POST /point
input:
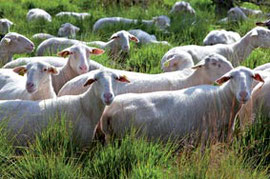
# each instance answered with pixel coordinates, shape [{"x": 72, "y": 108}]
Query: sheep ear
[
  {"x": 53, "y": 70},
  {"x": 258, "y": 77},
  {"x": 123, "y": 79},
  {"x": 21, "y": 70},
  {"x": 77, "y": 29},
  {"x": 254, "y": 33},
  {"x": 260, "y": 24},
  {"x": 64, "y": 53},
  {"x": 222, "y": 80},
  {"x": 199, "y": 65},
  {"x": 96, "y": 51},
  {"x": 6, "y": 40},
  {"x": 171, "y": 62},
  {"x": 89, "y": 82},
  {"x": 114, "y": 37},
  {"x": 133, "y": 38}
]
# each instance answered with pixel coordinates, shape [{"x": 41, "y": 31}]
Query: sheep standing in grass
[
  {"x": 5, "y": 25},
  {"x": 73, "y": 14},
  {"x": 161, "y": 22},
  {"x": 170, "y": 114},
  {"x": 182, "y": 7},
  {"x": 221, "y": 37},
  {"x": 119, "y": 42},
  {"x": 68, "y": 30},
  {"x": 77, "y": 64},
  {"x": 37, "y": 84},
  {"x": 205, "y": 72},
  {"x": 37, "y": 14},
  {"x": 14, "y": 43},
  {"x": 145, "y": 38},
  {"x": 235, "y": 52},
  {"x": 26, "y": 119},
  {"x": 42, "y": 36}
]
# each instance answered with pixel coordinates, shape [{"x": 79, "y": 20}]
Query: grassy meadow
[{"x": 54, "y": 155}]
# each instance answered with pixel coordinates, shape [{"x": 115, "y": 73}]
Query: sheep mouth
[
  {"x": 31, "y": 90},
  {"x": 108, "y": 101}
]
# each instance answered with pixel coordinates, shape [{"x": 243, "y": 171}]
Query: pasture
[{"x": 55, "y": 155}]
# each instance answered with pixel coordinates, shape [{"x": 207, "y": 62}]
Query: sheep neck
[
  {"x": 5, "y": 54},
  {"x": 45, "y": 91}
]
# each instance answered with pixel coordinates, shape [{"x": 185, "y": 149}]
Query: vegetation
[{"x": 54, "y": 155}]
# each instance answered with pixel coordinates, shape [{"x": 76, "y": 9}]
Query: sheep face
[
  {"x": 121, "y": 40},
  {"x": 105, "y": 81},
  {"x": 176, "y": 62},
  {"x": 78, "y": 57},
  {"x": 213, "y": 67},
  {"x": 38, "y": 73},
  {"x": 67, "y": 30},
  {"x": 162, "y": 22},
  {"x": 17, "y": 43},
  {"x": 240, "y": 80},
  {"x": 182, "y": 6},
  {"x": 261, "y": 36}
]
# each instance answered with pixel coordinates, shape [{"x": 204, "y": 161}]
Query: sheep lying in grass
[
  {"x": 37, "y": 14},
  {"x": 170, "y": 114},
  {"x": 55, "y": 44},
  {"x": 119, "y": 42},
  {"x": 221, "y": 37},
  {"x": 68, "y": 30},
  {"x": 77, "y": 64},
  {"x": 182, "y": 7},
  {"x": 37, "y": 84},
  {"x": 26, "y": 119},
  {"x": 161, "y": 22},
  {"x": 14, "y": 43},
  {"x": 42, "y": 36},
  {"x": 205, "y": 72},
  {"x": 145, "y": 38},
  {"x": 235, "y": 52},
  {"x": 177, "y": 62},
  {"x": 5, "y": 25},
  {"x": 252, "y": 12},
  {"x": 73, "y": 14}
]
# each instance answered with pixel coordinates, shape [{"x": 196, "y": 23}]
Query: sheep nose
[
  {"x": 107, "y": 96},
  {"x": 126, "y": 48},
  {"x": 243, "y": 94},
  {"x": 83, "y": 68},
  {"x": 29, "y": 85}
]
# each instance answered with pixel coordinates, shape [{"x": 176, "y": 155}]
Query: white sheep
[
  {"x": 221, "y": 37},
  {"x": 119, "y": 42},
  {"x": 73, "y": 14},
  {"x": 145, "y": 38},
  {"x": 252, "y": 12},
  {"x": 37, "y": 14},
  {"x": 68, "y": 30},
  {"x": 36, "y": 85},
  {"x": 161, "y": 22},
  {"x": 235, "y": 52},
  {"x": 77, "y": 64},
  {"x": 234, "y": 14},
  {"x": 182, "y": 7},
  {"x": 5, "y": 25},
  {"x": 14, "y": 43},
  {"x": 30, "y": 118},
  {"x": 201, "y": 110},
  {"x": 42, "y": 36},
  {"x": 53, "y": 45},
  {"x": 177, "y": 62},
  {"x": 205, "y": 72}
]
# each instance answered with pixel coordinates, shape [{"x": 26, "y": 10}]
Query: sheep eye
[
  {"x": 219, "y": 65},
  {"x": 45, "y": 69},
  {"x": 214, "y": 64}
]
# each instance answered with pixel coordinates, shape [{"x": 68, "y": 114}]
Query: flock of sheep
[{"x": 101, "y": 101}]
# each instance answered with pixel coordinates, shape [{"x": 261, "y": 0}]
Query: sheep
[
  {"x": 119, "y": 41},
  {"x": 235, "y": 52},
  {"x": 145, "y": 38},
  {"x": 265, "y": 23},
  {"x": 36, "y": 86},
  {"x": 161, "y": 22},
  {"x": 235, "y": 14},
  {"x": 205, "y": 72},
  {"x": 176, "y": 62},
  {"x": 68, "y": 30},
  {"x": 182, "y": 7},
  {"x": 252, "y": 12},
  {"x": 77, "y": 64},
  {"x": 42, "y": 36},
  {"x": 73, "y": 14},
  {"x": 54, "y": 61},
  {"x": 5, "y": 25},
  {"x": 55, "y": 44},
  {"x": 221, "y": 37},
  {"x": 14, "y": 43},
  {"x": 30, "y": 118},
  {"x": 176, "y": 114},
  {"x": 37, "y": 14}
]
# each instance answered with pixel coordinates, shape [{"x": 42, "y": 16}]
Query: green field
[{"x": 54, "y": 155}]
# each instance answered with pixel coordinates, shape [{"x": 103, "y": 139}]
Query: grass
[{"x": 55, "y": 155}]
